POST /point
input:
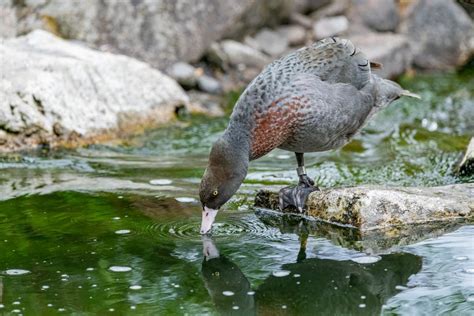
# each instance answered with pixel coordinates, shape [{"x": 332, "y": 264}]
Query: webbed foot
[{"x": 297, "y": 196}]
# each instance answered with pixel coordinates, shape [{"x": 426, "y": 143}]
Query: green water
[{"x": 70, "y": 219}]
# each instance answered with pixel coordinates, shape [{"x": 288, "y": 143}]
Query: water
[{"x": 114, "y": 229}]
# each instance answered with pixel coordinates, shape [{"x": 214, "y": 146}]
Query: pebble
[{"x": 331, "y": 26}]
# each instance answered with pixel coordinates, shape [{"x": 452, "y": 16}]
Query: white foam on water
[
  {"x": 228, "y": 293},
  {"x": 120, "y": 269},
  {"x": 184, "y": 199},
  {"x": 160, "y": 181},
  {"x": 281, "y": 273},
  {"x": 135, "y": 287},
  {"x": 469, "y": 270},
  {"x": 366, "y": 259},
  {"x": 122, "y": 231},
  {"x": 461, "y": 258},
  {"x": 16, "y": 272}
]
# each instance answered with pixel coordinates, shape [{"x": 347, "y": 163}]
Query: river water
[{"x": 113, "y": 229}]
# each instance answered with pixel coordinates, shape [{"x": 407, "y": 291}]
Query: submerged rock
[
  {"x": 441, "y": 33},
  {"x": 465, "y": 166},
  {"x": 370, "y": 208},
  {"x": 54, "y": 91},
  {"x": 391, "y": 50}
]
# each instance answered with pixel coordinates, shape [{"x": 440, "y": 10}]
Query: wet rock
[
  {"x": 465, "y": 167},
  {"x": 51, "y": 87},
  {"x": 271, "y": 42},
  {"x": 209, "y": 84},
  {"x": 295, "y": 34},
  {"x": 369, "y": 208},
  {"x": 440, "y": 32},
  {"x": 379, "y": 15},
  {"x": 184, "y": 73},
  {"x": 391, "y": 50},
  {"x": 330, "y": 26},
  {"x": 235, "y": 53}
]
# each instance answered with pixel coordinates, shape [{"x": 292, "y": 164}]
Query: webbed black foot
[{"x": 297, "y": 196}]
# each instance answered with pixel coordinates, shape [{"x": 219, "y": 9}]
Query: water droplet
[
  {"x": 160, "y": 181},
  {"x": 469, "y": 270},
  {"x": 251, "y": 293},
  {"x": 120, "y": 269},
  {"x": 185, "y": 199},
  {"x": 135, "y": 287},
  {"x": 228, "y": 293},
  {"x": 281, "y": 273},
  {"x": 122, "y": 232},
  {"x": 16, "y": 272},
  {"x": 362, "y": 305},
  {"x": 235, "y": 307},
  {"x": 366, "y": 259}
]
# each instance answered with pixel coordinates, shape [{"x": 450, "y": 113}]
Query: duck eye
[{"x": 215, "y": 193}]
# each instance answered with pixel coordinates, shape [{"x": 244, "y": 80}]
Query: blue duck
[{"x": 314, "y": 99}]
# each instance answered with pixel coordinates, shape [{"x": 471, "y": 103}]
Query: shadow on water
[{"x": 308, "y": 286}]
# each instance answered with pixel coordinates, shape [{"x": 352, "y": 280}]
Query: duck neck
[{"x": 238, "y": 145}]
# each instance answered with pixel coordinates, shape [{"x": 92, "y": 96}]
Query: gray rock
[
  {"x": 235, "y": 53},
  {"x": 330, "y": 26},
  {"x": 309, "y": 5},
  {"x": 379, "y": 15},
  {"x": 301, "y": 20},
  {"x": 50, "y": 86},
  {"x": 465, "y": 167},
  {"x": 271, "y": 42},
  {"x": 295, "y": 34},
  {"x": 440, "y": 32},
  {"x": 184, "y": 73},
  {"x": 391, "y": 50},
  {"x": 336, "y": 7},
  {"x": 369, "y": 208},
  {"x": 160, "y": 32},
  {"x": 209, "y": 84}
]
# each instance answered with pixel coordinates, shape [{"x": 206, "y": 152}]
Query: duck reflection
[{"x": 314, "y": 285}]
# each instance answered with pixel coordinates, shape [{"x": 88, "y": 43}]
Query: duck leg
[{"x": 296, "y": 196}]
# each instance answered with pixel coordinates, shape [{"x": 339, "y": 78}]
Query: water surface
[{"x": 114, "y": 228}]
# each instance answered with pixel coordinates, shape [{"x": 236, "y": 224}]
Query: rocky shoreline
[{"x": 70, "y": 87}]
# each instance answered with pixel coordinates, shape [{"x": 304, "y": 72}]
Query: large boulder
[
  {"x": 391, "y": 50},
  {"x": 441, "y": 33},
  {"x": 52, "y": 90},
  {"x": 160, "y": 32}
]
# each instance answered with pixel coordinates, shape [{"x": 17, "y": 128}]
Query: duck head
[{"x": 225, "y": 173}]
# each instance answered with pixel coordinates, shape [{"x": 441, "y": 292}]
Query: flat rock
[
  {"x": 465, "y": 167},
  {"x": 52, "y": 90},
  {"x": 369, "y": 208},
  {"x": 330, "y": 26},
  {"x": 440, "y": 32},
  {"x": 392, "y": 50},
  {"x": 271, "y": 42}
]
